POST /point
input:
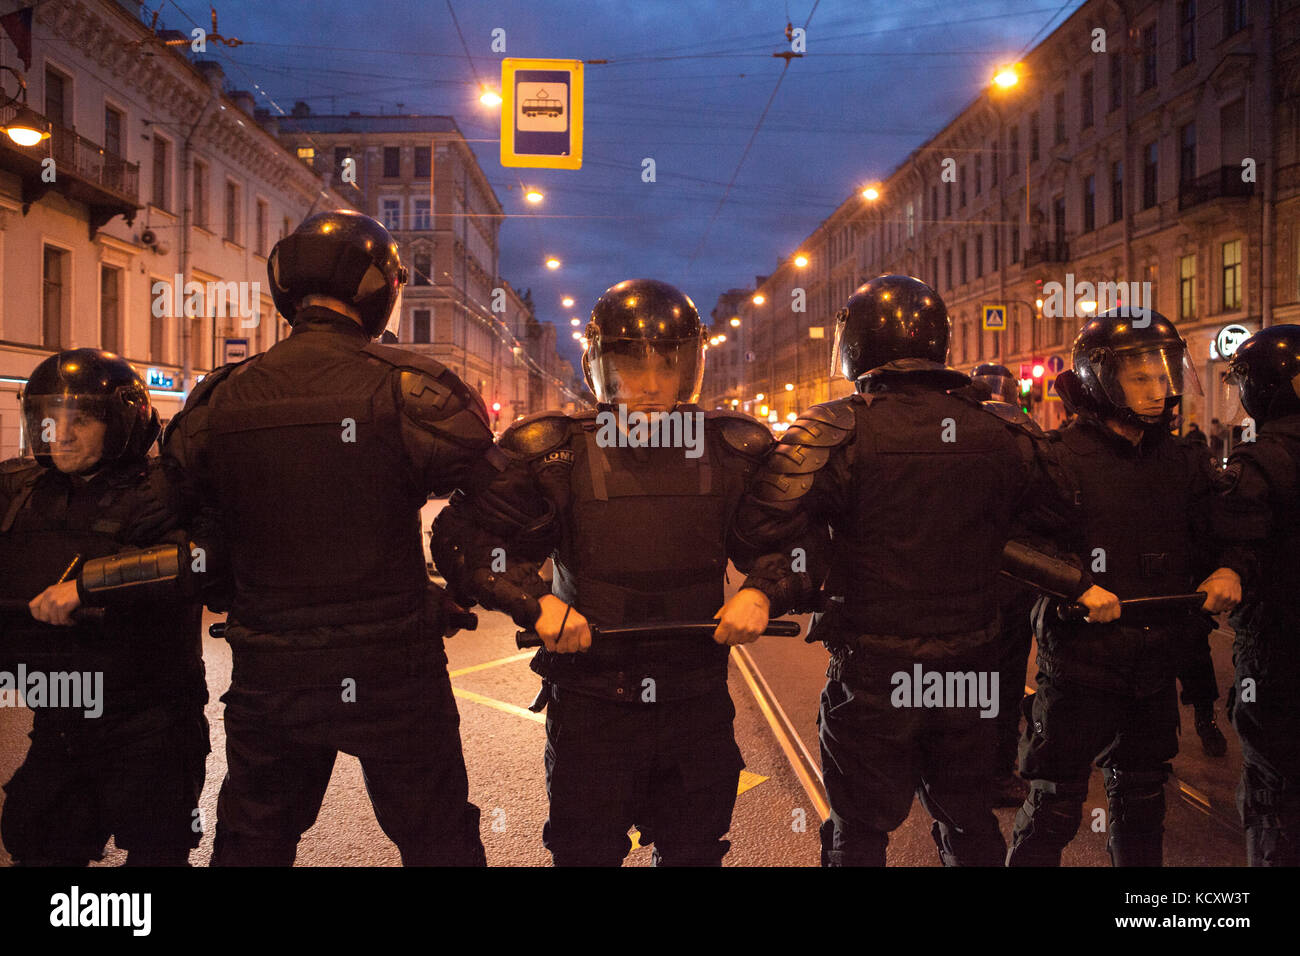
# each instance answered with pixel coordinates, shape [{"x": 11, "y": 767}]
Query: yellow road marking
[
  {"x": 498, "y": 704},
  {"x": 496, "y": 663},
  {"x": 748, "y": 781}
]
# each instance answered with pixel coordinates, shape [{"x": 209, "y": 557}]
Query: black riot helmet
[
  {"x": 71, "y": 389},
  {"x": 888, "y": 318},
  {"x": 1266, "y": 370},
  {"x": 1131, "y": 366},
  {"x": 645, "y": 346},
  {"x": 999, "y": 381},
  {"x": 344, "y": 255}
]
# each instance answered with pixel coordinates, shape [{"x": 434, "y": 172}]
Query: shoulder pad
[
  {"x": 537, "y": 434},
  {"x": 805, "y": 448},
  {"x": 1271, "y": 457},
  {"x": 201, "y": 393},
  {"x": 404, "y": 358},
  {"x": 742, "y": 433},
  {"x": 436, "y": 401},
  {"x": 1013, "y": 415},
  {"x": 824, "y": 425}
]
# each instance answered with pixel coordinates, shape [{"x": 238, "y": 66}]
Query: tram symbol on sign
[{"x": 542, "y": 105}]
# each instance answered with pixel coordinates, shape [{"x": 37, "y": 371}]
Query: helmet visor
[
  {"x": 1143, "y": 381},
  {"x": 1003, "y": 387},
  {"x": 837, "y": 345},
  {"x": 646, "y": 375},
  {"x": 71, "y": 429}
]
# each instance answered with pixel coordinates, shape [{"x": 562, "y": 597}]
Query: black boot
[{"x": 1212, "y": 739}]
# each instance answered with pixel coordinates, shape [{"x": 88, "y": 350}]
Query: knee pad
[{"x": 1137, "y": 799}]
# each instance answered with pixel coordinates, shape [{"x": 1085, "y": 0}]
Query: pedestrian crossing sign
[{"x": 995, "y": 317}]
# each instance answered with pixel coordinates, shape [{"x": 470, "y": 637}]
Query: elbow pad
[{"x": 103, "y": 578}]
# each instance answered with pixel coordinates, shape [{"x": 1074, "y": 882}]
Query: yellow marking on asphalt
[
  {"x": 498, "y": 704},
  {"x": 805, "y": 768},
  {"x": 496, "y": 663},
  {"x": 748, "y": 781}
]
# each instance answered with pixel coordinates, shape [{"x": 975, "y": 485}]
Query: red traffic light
[{"x": 496, "y": 406}]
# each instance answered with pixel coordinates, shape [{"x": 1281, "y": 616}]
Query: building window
[
  {"x": 962, "y": 263},
  {"x": 1186, "y": 32},
  {"x": 262, "y": 213},
  {"x": 1085, "y": 99},
  {"x": 1187, "y": 153},
  {"x": 1090, "y": 203},
  {"x": 391, "y": 213},
  {"x": 1015, "y": 244},
  {"x": 1058, "y": 219},
  {"x": 161, "y": 168},
  {"x": 1187, "y": 287},
  {"x": 392, "y": 162},
  {"x": 979, "y": 254},
  {"x": 965, "y": 342},
  {"x": 113, "y": 131},
  {"x": 934, "y": 271},
  {"x": 57, "y": 88},
  {"x": 979, "y": 174},
  {"x": 423, "y": 162},
  {"x": 232, "y": 211},
  {"x": 1059, "y": 108},
  {"x": 911, "y": 219},
  {"x": 947, "y": 199},
  {"x": 1116, "y": 191},
  {"x": 961, "y": 187},
  {"x": 307, "y": 154},
  {"x": 1150, "y": 171},
  {"x": 52, "y": 301},
  {"x": 157, "y": 338},
  {"x": 1150, "y": 51},
  {"x": 934, "y": 202},
  {"x": 200, "y": 194},
  {"x": 110, "y": 309},
  {"x": 423, "y": 269},
  {"x": 1234, "y": 16},
  {"x": 1013, "y": 150},
  {"x": 1232, "y": 276},
  {"x": 993, "y": 165},
  {"x": 423, "y": 219},
  {"x": 420, "y": 326},
  {"x": 947, "y": 270},
  {"x": 1033, "y": 136},
  {"x": 1116, "y": 81},
  {"x": 996, "y": 232}
]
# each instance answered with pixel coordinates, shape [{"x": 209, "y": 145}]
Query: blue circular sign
[{"x": 1054, "y": 364}]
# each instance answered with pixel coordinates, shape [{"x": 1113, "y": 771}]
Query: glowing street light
[
  {"x": 574, "y": 322},
  {"x": 534, "y": 196},
  {"x": 552, "y": 263},
  {"x": 722, "y": 338},
  {"x": 1088, "y": 306},
  {"x": 489, "y": 96},
  {"x": 759, "y": 397},
  {"x": 26, "y": 128},
  {"x": 1006, "y": 77},
  {"x": 567, "y": 302},
  {"x": 800, "y": 261},
  {"x": 735, "y": 321},
  {"x": 576, "y": 336},
  {"x": 789, "y": 386},
  {"x": 871, "y": 193},
  {"x": 759, "y": 298}
]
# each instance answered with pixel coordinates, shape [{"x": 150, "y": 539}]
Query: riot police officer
[
  {"x": 127, "y": 759},
  {"x": 639, "y": 731},
  {"x": 922, "y": 485},
  {"x": 1106, "y": 686},
  {"x": 1015, "y": 601},
  {"x": 1259, "y": 511},
  {"x": 314, "y": 459}
]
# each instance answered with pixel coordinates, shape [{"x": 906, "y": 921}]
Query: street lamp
[
  {"x": 26, "y": 128},
  {"x": 1007, "y": 76},
  {"x": 735, "y": 321},
  {"x": 489, "y": 96},
  {"x": 534, "y": 196},
  {"x": 574, "y": 322},
  {"x": 567, "y": 302},
  {"x": 800, "y": 260},
  {"x": 759, "y": 298},
  {"x": 871, "y": 193},
  {"x": 552, "y": 263}
]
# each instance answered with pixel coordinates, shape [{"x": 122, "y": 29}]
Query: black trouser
[
  {"x": 137, "y": 780},
  {"x": 1267, "y": 719},
  {"x": 669, "y": 768},
  {"x": 1015, "y": 639},
  {"x": 1132, "y": 739},
  {"x": 875, "y": 755},
  {"x": 1196, "y": 673},
  {"x": 392, "y": 708}
]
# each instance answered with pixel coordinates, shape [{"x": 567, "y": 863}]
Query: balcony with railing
[
  {"x": 83, "y": 171},
  {"x": 1224, "y": 183},
  {"x": 1047, "y": 252}
]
